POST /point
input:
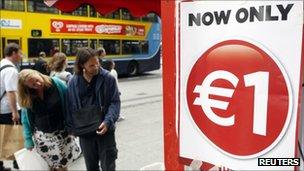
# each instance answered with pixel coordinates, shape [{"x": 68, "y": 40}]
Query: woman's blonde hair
[
  {"x": 58, "y": 62},
  {"x": 26, "y": 94}
]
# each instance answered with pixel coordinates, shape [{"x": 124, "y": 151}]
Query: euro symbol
[{"x": 206, "y": 103}]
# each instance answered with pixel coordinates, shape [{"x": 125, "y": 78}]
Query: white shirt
[
  {"x": 113, "y": 72},
  {"x": 63, "y": 75},
  {"x": 9, "y": 82}
]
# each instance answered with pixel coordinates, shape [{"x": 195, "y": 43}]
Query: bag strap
[
  {"x": 5, "y": 66},
  {"x": 2, "y": 95},
  {"x": 2, "y": 68}
]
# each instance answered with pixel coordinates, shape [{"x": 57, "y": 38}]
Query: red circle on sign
[{"x": 240, "y": 58}]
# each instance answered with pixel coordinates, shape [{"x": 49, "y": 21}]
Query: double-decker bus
[{"x": 133, "y": 43}]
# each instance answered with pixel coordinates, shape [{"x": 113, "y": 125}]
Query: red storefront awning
[{"x": 136, "y": 7}]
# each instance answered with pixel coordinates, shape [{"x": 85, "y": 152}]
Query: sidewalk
[
  {"x": 139, "y": 137},
  {"x": 77, "y": 165},
  {"x": 139, "y": 141}
]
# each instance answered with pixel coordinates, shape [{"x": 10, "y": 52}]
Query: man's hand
[
  {"x": 102, "y": 129},
  {"x": 15, "y": 117}
]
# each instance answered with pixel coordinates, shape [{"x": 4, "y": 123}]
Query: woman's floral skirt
[{"x": 58, "y": 149}]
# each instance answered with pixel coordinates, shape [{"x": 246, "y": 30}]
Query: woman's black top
[{"x": 47, "y": 112}]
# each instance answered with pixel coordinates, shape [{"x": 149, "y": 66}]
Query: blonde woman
[
  {"x": 43, "y": 100},
  {"x": 57, "y": 66}
]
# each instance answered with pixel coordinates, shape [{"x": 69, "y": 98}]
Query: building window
[
  {"x": 112, "y": 47},
  {"x": 14, "y": 5},
  {"x": 135, "y": 47},
  {"x": 39, "y": 6},
  {"x": 49, "y": 46},
  {"x": 81, "y": 11},
  {"x": 70, "y": 46}
]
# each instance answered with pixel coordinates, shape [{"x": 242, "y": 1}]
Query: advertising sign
[
  {"x": 10, "y": 24},
  {"x": 239, "y": 82},
  {"x": 72, "y": 26}
]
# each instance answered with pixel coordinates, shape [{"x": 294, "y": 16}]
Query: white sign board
[
  {"x": 238, "y": 82},
  {"x": 10, "y": 24}
]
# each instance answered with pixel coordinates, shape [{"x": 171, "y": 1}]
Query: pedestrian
[
  {"x": 57, "y": 67},
  {"x": 9, "y": 108},
  {"x": 93, "y": 108},
  {"x": 54, "y": 50},
  {"x": 101, "y": 53},
  {"x": 43, "y": 100},
  {"x": 41, "y": 64},
  {"x": 110, "y": 66}
]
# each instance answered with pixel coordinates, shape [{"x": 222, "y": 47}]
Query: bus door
[
  {"x": 16, "y": 40},
  {"x": 6, "y": 40},
  {"x": 2, "y": 47}
]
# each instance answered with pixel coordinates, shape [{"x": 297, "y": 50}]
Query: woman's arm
[{"x": 27, "y": 130}]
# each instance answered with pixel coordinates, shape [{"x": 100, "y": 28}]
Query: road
[{"x": 140, "y": 135}]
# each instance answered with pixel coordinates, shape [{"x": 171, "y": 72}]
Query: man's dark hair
[
  {"x": 100, "y": 51},
  {"x": 108, "y": 64},
  {"x": 82, "y": 56},
  {"x": 42, "y": 54},
  {"x": 10, "y": 49}
]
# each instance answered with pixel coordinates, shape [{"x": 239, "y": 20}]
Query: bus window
[
  {"x": 135, "y": 47},
  {"x": 93, "y": 12},
  {"x": 40, "y": 6},
  {"x": 144, "y": 46},
  {"x": 112, "y": 47},
  {"x": 81, "y": 11},
  {"x": 126, "y": 15},
  {"x": 113, "y": 15},
  {"x": 70, "y": 46},
  {"x": 35, "y": 46},
  {"x": 93, "y": 43},
  {"x": 151, "y": 17},
  {"x": 14, "y": 5},
  {"x": 17, "y": 41}
]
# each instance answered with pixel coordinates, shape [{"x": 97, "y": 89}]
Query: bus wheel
[{"x": 133, "y": 68}]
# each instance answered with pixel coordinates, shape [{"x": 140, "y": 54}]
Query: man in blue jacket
[{"x": 93, "y": 105}]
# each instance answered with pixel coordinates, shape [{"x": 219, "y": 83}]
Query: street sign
[
  {"x": 239, "y": 81},
  {"x": 239, "y": 95}
]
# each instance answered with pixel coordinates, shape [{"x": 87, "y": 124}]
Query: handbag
[
  {"x": 87, "y": 120},
  {"x": 30, "y": 160},
  {"x": 11, "y": 140}
]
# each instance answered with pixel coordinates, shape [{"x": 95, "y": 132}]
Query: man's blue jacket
[{"x": 107, "y": 94}]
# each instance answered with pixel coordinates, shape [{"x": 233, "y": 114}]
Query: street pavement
[{"x": 140, "y": 136}]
